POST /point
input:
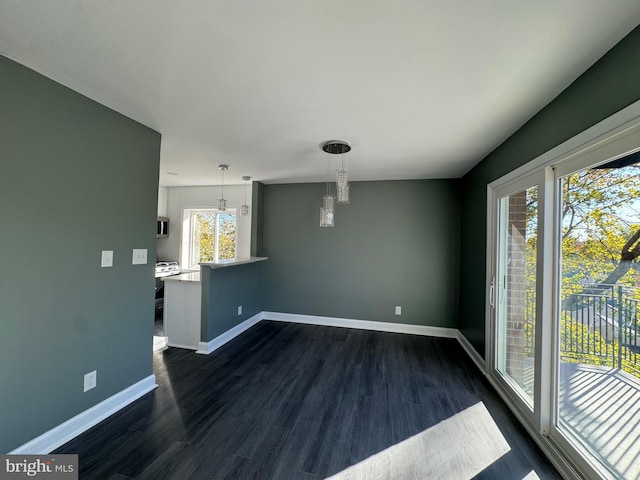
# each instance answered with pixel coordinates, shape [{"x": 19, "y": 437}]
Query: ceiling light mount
[{"x": 336, "y": 147}]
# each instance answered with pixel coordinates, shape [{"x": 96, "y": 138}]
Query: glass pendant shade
[
  {"x": 326, "y": 217},
  {"x": 343, "y": 194},
  {"x": 222, "y": 204},
  {"x": 326, "y": 211},
  {"x": 328, "y": 202},
  {"x": 342, "y": 177},
  {"x": 244, "y": 210}
]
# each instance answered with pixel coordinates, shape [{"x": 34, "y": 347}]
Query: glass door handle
[{"x": 492, "y": 292}]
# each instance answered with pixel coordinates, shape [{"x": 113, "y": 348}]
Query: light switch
[
  {"x": 139, "y": 256},
  {"x": 107, "y": 258}
]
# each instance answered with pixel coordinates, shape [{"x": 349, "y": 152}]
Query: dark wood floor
[{"x": 289, "y": 401}]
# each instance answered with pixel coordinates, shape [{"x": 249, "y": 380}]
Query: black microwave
[{"x": 163, "y": 227}]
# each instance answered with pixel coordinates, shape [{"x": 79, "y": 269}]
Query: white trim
[
  {"x": 57, "y": 436},
  {"x": 362, "y": 324},
  {"x": 546, "y": 334},
  {"x": 490, "y": 279},
  {"x": 473, "y": 354},
  {"x": 497, "y": 261},
  {"x": 205, "y": 348}
]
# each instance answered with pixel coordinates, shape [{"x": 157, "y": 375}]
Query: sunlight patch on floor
[
  {"x": 159, "y": 343},
  {"x": 457, "y": 448},
  {"x": 531, "y": 476}
]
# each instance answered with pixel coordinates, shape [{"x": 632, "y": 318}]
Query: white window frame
[{"x": 519, "y": 184}]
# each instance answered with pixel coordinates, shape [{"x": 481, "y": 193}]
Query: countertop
[
  {"x": 233, "y": 263},
  {"x": 195, "y": 276},
  {"x": 183, "y": 277}
]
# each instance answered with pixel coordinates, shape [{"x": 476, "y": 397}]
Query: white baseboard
[
  {"x": 363, "y": 324},
  {"x": 205, "y": 348},
  {"x": 57, "y": 436},
  {"x": 473, "y": 354}
]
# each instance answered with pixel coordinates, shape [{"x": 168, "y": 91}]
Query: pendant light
[
  {"x": 335, "y": 147},
  {"x": 244, "y": 209},
  {"x": 222, "y": 202}
]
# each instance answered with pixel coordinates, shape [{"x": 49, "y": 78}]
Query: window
[{"x": 208, "y": 235}]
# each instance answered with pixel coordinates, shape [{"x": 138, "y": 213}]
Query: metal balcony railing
[{"x": 599, "y": 326}]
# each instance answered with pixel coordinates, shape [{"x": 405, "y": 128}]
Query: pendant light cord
[{"x": 328, "y": 172}]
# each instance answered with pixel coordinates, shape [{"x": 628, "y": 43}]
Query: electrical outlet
[
  {"x": 398, "y": 310},
  {"x": 107, "y": 258},
  {"x": 90, "y": 380},
  {"x": 239, "y": 309},
  {"x": 139, "y": 256}
]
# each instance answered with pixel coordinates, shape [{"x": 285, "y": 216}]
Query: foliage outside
[
  {"x": 600, "y": 250},
  {"x": 204, "y": 236},
  {"x": 227, "y": 237}
]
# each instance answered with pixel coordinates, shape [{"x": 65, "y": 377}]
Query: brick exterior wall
[{"x": 516, "y": 286}]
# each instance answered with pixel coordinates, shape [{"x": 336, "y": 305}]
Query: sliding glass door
[
  {"x": 598, "y": 359},
  {"x": 563, "y": 302}
]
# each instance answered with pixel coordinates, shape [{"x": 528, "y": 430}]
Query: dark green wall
[
  {"x": 257, "y": 218},
  {"x": 607, "y": 87},
  {"x": 397, "y": 243},
  {"x": 223, "y": 290},
  {"x": 75, "y": 178}
]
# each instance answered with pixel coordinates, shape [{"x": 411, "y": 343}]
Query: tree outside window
[{"x": 210, "y": 236}]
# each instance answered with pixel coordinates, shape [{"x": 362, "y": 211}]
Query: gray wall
[
  {"x": 75, "y": 178},
  {"x": 397, "y": 243},
  {"x": 257, "y": 218},
  {"x": 223, "y": 290},
  {"x": 607, "y": 87}
]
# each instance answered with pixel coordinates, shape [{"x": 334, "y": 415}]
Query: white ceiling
[{"x": 420, "y": 88}]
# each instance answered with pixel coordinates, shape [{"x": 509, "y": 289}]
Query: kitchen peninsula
[{"x": 202, "y": 306}]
